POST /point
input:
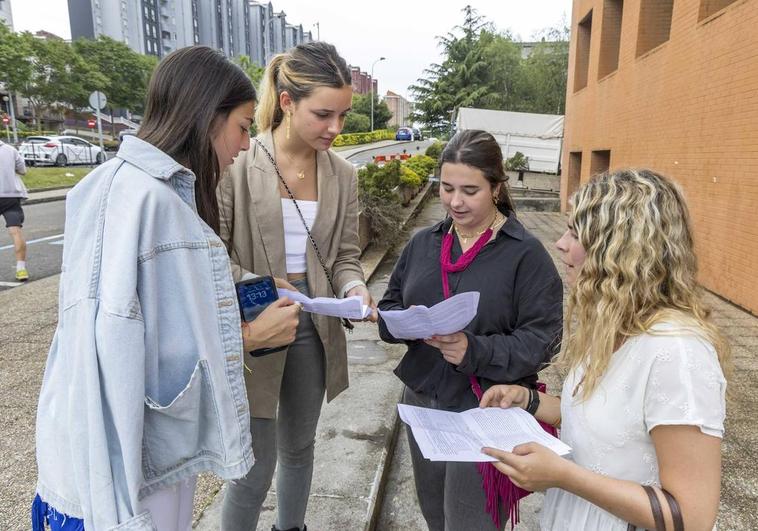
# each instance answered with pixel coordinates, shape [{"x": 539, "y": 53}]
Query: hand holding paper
[
  {"x": 349, "y": 307},
  {"x": 448, "y": 436}
]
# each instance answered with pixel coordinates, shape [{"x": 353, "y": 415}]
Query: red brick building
[
  {"x": 673, "y": 85},
  {"x": 362, "y": 82}
]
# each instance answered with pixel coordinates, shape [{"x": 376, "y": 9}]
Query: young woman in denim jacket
[{"x": 143, "y": 387}]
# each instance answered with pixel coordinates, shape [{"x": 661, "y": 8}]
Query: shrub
[
  {"x": 518, "y": 162},
  {"x": 356, "y": 123},
  {"x": 409, "y": 178},
  {"x": 422, "y": 165},
  {"x": 380, "y": 203},
  {"x": 352, "y": 139},
  {"x": 435, "y": 150}
]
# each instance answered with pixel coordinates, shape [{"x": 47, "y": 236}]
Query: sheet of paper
[
  {"x": 349, "y": 307},
  {"x": 448, "y": 436},
  {"x": 419, "y": 322}
]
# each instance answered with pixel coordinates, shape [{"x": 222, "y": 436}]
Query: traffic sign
[
  {"x": 97, "y": 100},
  {"x": 91, "y": 123}
]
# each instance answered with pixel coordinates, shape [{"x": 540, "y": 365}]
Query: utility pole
[{"x": 372, "y": 91}]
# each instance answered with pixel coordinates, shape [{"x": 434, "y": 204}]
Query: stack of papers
[
  {"x": 419, "y": 322},
  {"x": 349, "y": 307},
  {"x": 448, "y": 436}
]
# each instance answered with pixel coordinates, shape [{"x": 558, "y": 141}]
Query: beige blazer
[{"x": 251, "y": 226}]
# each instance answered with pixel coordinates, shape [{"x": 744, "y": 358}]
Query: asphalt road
[
  {"x": 43, "y": 229},
  {"x": 43, "y": 226}
]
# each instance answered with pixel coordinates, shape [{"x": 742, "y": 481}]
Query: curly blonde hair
[{"x": 640, "y": 269}]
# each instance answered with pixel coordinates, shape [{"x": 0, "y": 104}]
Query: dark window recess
[
  {"x": 709, "y": 7},
  {"x": 610, "y": 37},
  {"x": 582, "y": 59},
  {"x": 600, "y": 161},
  {"x": 655, "y": 24}
]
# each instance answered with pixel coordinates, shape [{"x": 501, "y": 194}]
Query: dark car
[
  {"x": 417, "y": 135},
  {"x": 404, "y": 133}
]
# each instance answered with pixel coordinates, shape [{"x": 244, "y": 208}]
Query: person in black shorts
[{"x": 12, "y": 191}]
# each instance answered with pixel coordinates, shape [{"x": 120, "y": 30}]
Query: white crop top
[{"x": 295, "y": 237}]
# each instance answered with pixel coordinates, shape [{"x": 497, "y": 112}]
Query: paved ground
[{"x": 355, "y": 434}]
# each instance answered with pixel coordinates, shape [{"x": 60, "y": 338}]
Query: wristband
[{"x": 534, "y": 401}]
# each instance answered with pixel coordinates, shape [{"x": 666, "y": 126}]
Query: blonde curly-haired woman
[{"x": 643, "y": 404}]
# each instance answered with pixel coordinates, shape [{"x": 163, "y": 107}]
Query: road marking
[
  {"x": 10, "y": 284},
  {"x": 38, "y": 240}
]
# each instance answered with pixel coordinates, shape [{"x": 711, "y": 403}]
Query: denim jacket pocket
[{"x": 186, "y": 428}]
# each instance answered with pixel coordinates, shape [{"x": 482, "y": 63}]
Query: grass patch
[{"x": 38, "y": 178}]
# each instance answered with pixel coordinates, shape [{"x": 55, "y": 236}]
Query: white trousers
[{"x": 171, "y": 508}]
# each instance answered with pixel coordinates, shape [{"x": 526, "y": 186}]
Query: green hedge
[{"x": 353, "y": 139}]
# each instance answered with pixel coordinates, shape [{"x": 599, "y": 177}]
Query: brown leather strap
[
  {"x": 655, "y": 505},
  {"x": 676, "y": 512}
]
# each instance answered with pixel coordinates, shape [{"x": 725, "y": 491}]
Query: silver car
[{"x": 60, "y": 151}]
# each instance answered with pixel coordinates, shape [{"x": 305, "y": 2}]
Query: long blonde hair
[
  {"x": 640, "y": 269},
  {"x": 298, "y": 71}
]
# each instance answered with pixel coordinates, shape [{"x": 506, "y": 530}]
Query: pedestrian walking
[{"x": 12, "y": 192}]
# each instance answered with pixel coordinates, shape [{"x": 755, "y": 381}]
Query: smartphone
[{"x": 254, "y": 296}]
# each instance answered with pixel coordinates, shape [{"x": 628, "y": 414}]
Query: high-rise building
[
  {"x": 5, "y": 13},
  {"x": 158, "y": 27},
  {"x": 400, "y": 109}
]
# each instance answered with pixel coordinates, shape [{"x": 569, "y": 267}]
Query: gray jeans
[
  {"x": 450, "y": 494},
  {"x": 290, "y": 437}
]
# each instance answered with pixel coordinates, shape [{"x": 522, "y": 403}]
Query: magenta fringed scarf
[{"x": 497, "y": 486}]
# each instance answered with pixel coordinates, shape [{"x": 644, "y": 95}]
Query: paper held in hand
[
  {"x": 349, "y": 307},
  {"x": 419, "y": 322},
  {"x": 449, "y": 436}
]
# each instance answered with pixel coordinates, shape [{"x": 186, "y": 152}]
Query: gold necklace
[
  {"x": 301, "y": 173},
  {"x": 466, "y": 237}
]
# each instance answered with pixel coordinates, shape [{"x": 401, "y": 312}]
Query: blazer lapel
[
  {"x": 328, "y": 200},
  {"x": 267, "y": 206}
]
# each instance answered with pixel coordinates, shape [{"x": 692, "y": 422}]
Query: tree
[
  {"x": 126, "y": 72},
  {"x": 15, "y": 64},
  {"x": 356, "y": 123},
  {"x": 253, "y": 70},
  {"x": 382, "y": 113},
  {"x": 59, "y": 76},
  {"x": 483, "y": 68}
]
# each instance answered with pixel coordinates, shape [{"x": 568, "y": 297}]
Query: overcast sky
[{"x": 403, "y": 31}]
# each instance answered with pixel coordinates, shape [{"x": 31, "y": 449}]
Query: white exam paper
[
  {"x": 448, "y": 436},
  {"x": 349, "y": 307},
  {"x": 419, "y": 322}
]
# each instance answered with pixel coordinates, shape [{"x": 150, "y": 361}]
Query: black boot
[{"x": 305, "y": 528}]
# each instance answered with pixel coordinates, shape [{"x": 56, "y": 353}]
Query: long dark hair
[
  {"x": 480, "y": 150},
  {"x": 191, "y": 92},
  {"x": 299, "y": 71}
]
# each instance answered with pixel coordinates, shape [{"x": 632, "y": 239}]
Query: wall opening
[
  {"x": 655, "y": 24},
  {"x": 709, "y": 7},
  {"x": 582, "y": 59},
  {"x": 610, "y": 37},
  {"x": 574, "y": 172},
  {"x": 600, "y": 161}
]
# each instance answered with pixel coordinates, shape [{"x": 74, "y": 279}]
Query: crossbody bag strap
[{"x": 346, "y": 323}]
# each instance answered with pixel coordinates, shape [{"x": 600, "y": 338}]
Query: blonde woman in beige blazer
[{"x": 305, "y": 96}]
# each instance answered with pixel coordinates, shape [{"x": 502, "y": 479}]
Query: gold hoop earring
[
  {"x": 494, "y": 200},
  {"x": 289, "y": 123}
]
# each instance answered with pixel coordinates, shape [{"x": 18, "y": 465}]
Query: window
[
  {"x": 600, "y": 161},
  {"x": 574, "y": 172},
  {"x": 709, "y": 7},
  {"x": 655, "y": 24},
  {"x": 610, "y": 37},
  {"x": 582, "y": 59}
]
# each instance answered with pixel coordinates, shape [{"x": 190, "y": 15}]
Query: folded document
[
  {"x": 419, "y": 322},
  {"x": 349, "y": 307},
  {"x": 449, "y": 436}
]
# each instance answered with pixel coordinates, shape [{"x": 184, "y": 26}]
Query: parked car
[
  {"x": 404, "y": 133},
  {"x": 60, "y": 151},
  {"x": 417, "y": 135}
]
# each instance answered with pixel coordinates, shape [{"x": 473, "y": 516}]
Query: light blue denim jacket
[{"x": 144, "y": 380}]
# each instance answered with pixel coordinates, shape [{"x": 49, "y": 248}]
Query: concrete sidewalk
[{"x": 358, "y": 483}]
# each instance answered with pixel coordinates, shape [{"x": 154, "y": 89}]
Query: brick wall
[{"x": 687, "y": 107}]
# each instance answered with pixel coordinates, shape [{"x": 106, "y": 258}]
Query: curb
[
  {"x": 374, "y": 147},
  {"x": 38, "y": 200},
  {"x": 376, "y": 496}
]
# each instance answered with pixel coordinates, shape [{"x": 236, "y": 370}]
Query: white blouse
[
  {"x": 652, "y": 380},
  {"x": 295, "y": 236}
]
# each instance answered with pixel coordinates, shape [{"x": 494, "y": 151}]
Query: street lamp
[
  {"x": 372, "y": 91},
  {"x": 9, "y": 102}
]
